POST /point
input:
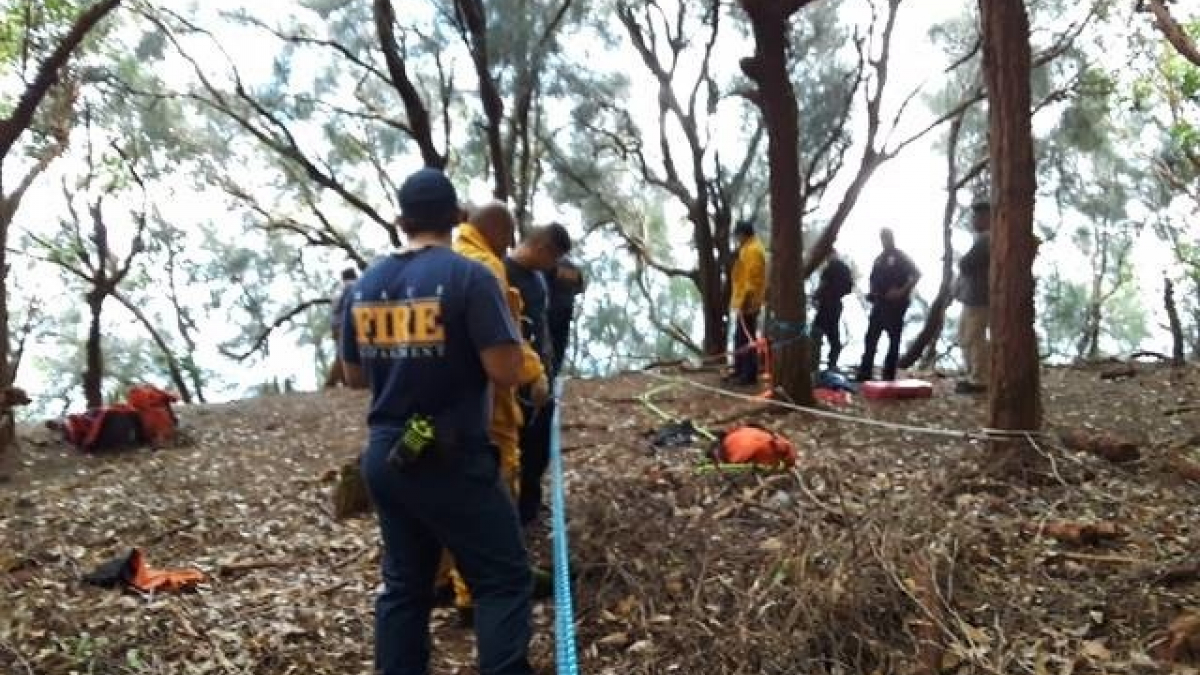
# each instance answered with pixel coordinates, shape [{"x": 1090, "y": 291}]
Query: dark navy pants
[
  {"x": 459, "y": 505},
  {"x": 886, "y": 317},
  {"x": 535, "y": 458},
  {"x": 745, "y": 358}
]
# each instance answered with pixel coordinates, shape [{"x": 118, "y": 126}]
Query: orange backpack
[
  {"x": 755, "y": 445},
  {"x": 153, "y": 406}
]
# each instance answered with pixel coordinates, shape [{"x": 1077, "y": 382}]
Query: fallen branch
[
  {"x": 1183, "y": 640},
  {"x": 1091, "y": 557},
  {"x": 251, "y": 565},
  {"x": 1119, "y": 373},
  {"x": 1179, "y": 410},
  {"x": 1186, "y": 467},
  {"x": 1102, "y": 444},
  {"x": 1179, "y": 574},
  {"x": 1150, "y": 355},
  {"x": 1085, "y": 534}
]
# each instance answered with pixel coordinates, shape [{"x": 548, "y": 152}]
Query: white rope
[{"x": 981, "y": 434}]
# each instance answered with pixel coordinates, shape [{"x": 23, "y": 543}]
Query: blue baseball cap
[{"x": 428, "y": 196}]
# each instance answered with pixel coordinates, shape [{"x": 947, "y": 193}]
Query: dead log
[
  {"x": 1179, "y": 410},
  {"x": 1179, "y": 574},
  {"x": 1182, "y": 644},
  {"x": 1102, "y": 444},
  {"x": 931, "y": 617},
  {"x": 350, "y": 496},
  {"x": 1186, "y": 467},
  {"x": 1119, "y": 372},
  {"x": 1079, "y": 534}
]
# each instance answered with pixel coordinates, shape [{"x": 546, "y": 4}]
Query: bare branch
[
  {"x": 284, "y": 318},
  {"x": 1175, "y": 34},
  {"x": 21, "y": 117},
  {"x": 418, "y": 114}
]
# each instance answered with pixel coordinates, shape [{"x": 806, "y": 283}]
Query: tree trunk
[
  {"x": 8, "y": 428},
  {"x": 11, "y": 129},
  {"x": 768, "y": 68},
  {"x": 926, "y": 341},
  {"x": 1174, "y": 322},
  {"x": 93, "y": 373},
  {"x": 1089, "y": 342},
  {"x": 21, "y": 117},
  {"x": 1015, "y": 400},
  {"x": 713, "y": 297},
  {"x": 473, "y": 18},
  {"x": 414, "y": 106}
]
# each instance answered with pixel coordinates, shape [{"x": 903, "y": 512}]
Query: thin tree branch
[
  {"x": 284, "y": 318},
  {"x": 21, "y": 117},
  {"x": 1175, "y": 34},
  {"x": 418, "y": 114}
]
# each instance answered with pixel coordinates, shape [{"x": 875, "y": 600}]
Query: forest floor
[{"x": 882, "y": 552}]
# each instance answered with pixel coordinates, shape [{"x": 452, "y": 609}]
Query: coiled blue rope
[{"x": 564, "y": 612}]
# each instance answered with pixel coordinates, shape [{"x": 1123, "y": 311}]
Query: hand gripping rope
[{"x": 564, "y": 613}]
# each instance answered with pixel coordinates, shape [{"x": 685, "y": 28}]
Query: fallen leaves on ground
[{"x": 881, "y": 552}]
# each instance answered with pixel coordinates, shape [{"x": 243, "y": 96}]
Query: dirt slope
[{"x": 883, "y": 552}]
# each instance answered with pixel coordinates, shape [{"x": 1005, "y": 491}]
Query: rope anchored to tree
[{"x": 982, "y": 434}]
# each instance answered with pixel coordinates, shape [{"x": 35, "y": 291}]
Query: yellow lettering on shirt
[
  {"x": 399, "y": 323},
  {"x": 427, "y": 323}
]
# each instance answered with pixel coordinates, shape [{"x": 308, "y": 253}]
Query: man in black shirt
[
  {"x": 537, "y": 254},
  {"x": 893, "y": 277},
  {"x": 349, "y": 276},
  {"x": 566, "y": 281},
  {"x": 972, "y": 292},
  {"x": 836, "y": 283}
]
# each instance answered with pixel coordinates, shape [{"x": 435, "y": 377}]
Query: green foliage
[{"x": 28, "y": 27}]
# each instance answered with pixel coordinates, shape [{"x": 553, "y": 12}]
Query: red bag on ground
[
  {"x": 755, "y": 445},
  {"x": 897, "y": 389},
  {"x": 153, "y": 406},
  {"x": 109, "y": 428},
  {"x": 831, "y": 396}
]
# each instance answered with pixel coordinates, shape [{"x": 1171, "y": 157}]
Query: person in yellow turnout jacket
[
  {"x": 485, "y": 237},
  {"x": 749, "y": 278}
]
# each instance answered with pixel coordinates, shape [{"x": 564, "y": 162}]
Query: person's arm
[
  {"x": 492, "y": 331},
  {"x": 914, "y": 275},
  {"x": 502, "y": 363}
]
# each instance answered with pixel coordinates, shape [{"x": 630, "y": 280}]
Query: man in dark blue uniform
[
  {"x": 893, "y": 278},
  {"x": 537, "y": 254},
  {"x": 837, "y": 281},
  {"x": 429, "y": 332}
]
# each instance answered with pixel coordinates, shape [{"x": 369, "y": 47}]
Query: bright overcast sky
[{"x": 905, "y": 194}]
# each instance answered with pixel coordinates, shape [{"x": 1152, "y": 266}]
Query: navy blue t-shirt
[
  {"x": 535, "y": 293},
  {"x": 416, "y": 323}
]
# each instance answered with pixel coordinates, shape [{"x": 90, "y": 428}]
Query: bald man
[{"x": 485, "y": 237}]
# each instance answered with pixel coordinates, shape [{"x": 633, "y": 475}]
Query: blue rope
[{"x": 564, "y": 613}]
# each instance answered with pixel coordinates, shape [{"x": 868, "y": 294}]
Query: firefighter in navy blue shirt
[{"x": 430, "y": 333}]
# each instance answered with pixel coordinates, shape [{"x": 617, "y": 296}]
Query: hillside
[{"x": 885, "y": 551}]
